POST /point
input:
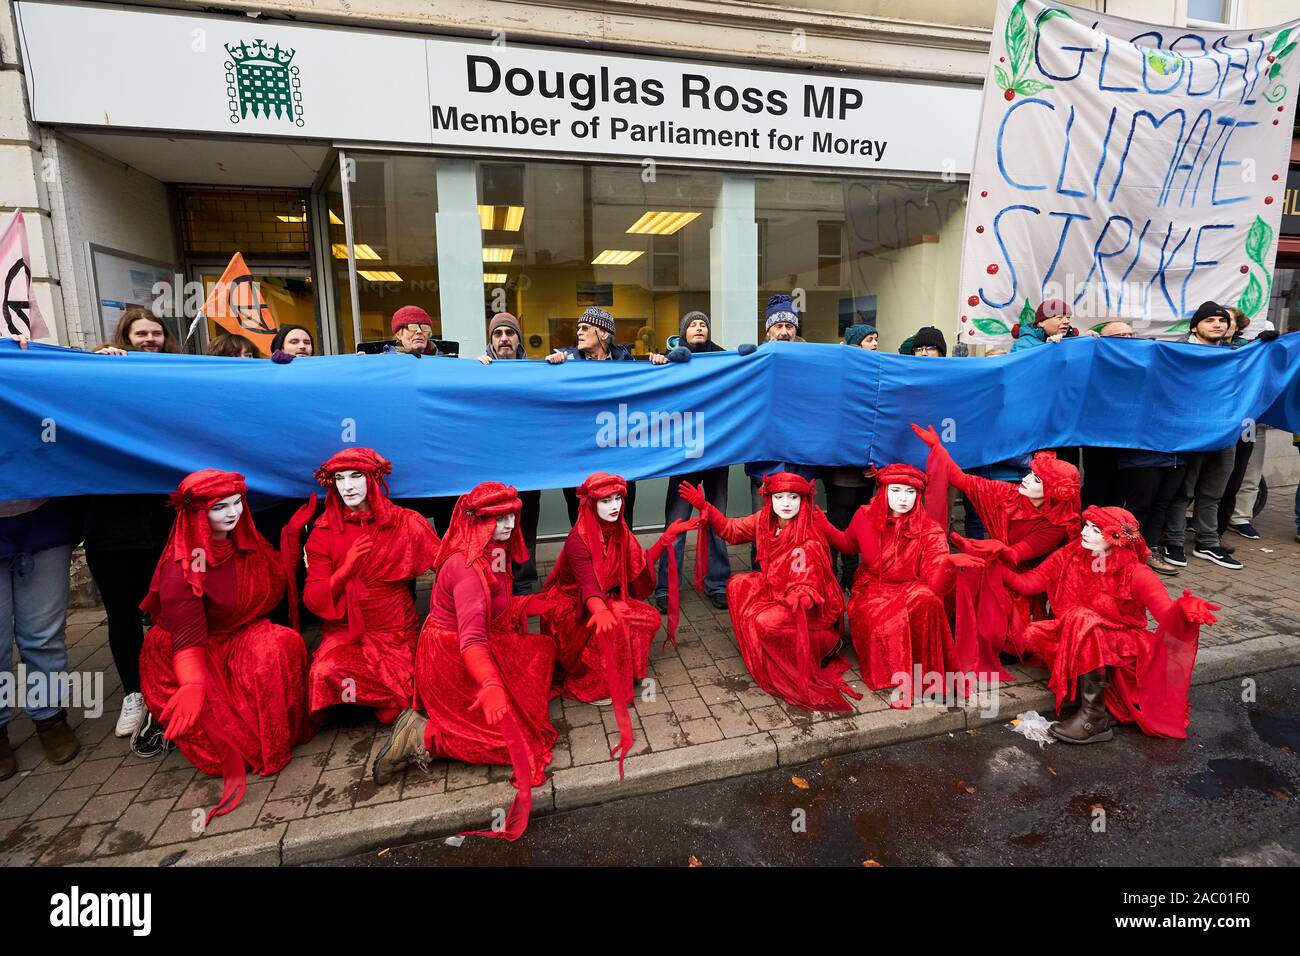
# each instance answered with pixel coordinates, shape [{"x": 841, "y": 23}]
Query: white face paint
[
  {"x": 902, "y": 498},
  {"x": 608, "y": 509},
  {"x": 352, "y": 488},
  {"x": 1031, "y": 486},
  {"x": 223, "y": 515},
  {"x": 505, "y": 525},
  {"x": 785, "y": 504},
  {"x": 1093, "y": 540}
]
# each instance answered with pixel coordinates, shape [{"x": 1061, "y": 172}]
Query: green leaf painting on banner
[
  {"x": 1280, "y": 40},
  {"x": 1017, "y": 38},
  {"x": 1180, "y": 328},
  {"x": 1004, "y": 82},
  {"x": 1026, "y": 314},
  {"x": 1253, "y": 296},
  {"x": 989, "y": 326},
  {"x": 1259, "y": 239},
  {"x": 1029, "y": 87}
]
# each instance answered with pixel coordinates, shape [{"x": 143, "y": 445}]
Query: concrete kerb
[{"x": 333, "y": 835}]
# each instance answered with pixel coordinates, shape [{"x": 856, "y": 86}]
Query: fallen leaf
[
  {"x": 694, "y": 861},
  {"x": 826, "y": 762},
  {"x": 871, "y": 863},
  {"x": 820, "y": 796},
  {"x": 1015, "y": 723},
  {"x": 1051, "y": 771},
  {"x": 970, "y": 789},
  {"x": 1279, "y": 792},
  {"x": 800, "y": 782},
  {"x": 383, "y": 851},
  {"x": 1286, "y": 749}
]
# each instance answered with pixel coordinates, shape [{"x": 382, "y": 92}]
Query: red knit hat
[
  {"x": 410, "y": 315},
  {"x": 1050, "y": 309},
  {"x": 602, "y": 485}
]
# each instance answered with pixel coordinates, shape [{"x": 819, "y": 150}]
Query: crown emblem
[{"x": 261, "y": 81}]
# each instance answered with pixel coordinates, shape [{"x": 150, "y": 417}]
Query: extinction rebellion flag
[{"x": 1132, "y": 170}]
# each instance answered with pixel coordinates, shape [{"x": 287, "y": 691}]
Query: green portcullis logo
[{"x": 261, "y": 81}]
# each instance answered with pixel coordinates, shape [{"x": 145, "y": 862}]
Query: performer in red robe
[
  {"x": 787, "y": 616},
  {"x": 597, "y": 589},
  {"x": 481, "y": 678},
  {"x": 1026, "y": 522},
  {"x": 896, "y": 613},
  {"x": 361, "y": 558},
  {"x": 1100, "y": 590},
  {"x": 230, "y": 687}
]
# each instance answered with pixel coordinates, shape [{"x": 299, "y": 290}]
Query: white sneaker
[{"x": 132, "y": 713}]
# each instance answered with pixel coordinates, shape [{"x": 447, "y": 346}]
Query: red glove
[
  {"x": 965, "y": 561},
  {"x": 1197, "y": 610},
  {"x": 302, "y": 516},
  {"x": 360, "y": 548},
  {"x": 602, "y": 618},
  {"x": 928, "y": 435},
  {"x": 182, "y": 711},
  {"x": 692, "y": 495},
  {"x": 535, "y": 605},
  {"x": 677, "y": 527},
  {"x": 491, "y": 699},
  {"x": 987, "y": 548},
  {"x": 798, "y": 599}
]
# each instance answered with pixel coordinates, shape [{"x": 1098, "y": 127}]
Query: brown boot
[
  {"x": 57, "y": 739},
  {"x": 8, "y": 763},
  {"x": 406, "y": 742},
  {"x": 1090, "y": 724}
]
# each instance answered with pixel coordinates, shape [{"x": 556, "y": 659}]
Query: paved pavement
[
  {"x": 1228, "y": 795},
  {"x": 705, "y": 721}
]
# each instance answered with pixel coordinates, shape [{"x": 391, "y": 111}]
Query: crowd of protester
[{"x": 124, "y": 535}]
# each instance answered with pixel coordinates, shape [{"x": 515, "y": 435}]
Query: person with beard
[
  {"x": 362, "y": 556},
  {"x": 506, "y": 343},
  {"x": 1025, "y": 522},
  {"x": 896, "y": 613},
  {"x": 594, "y": 604},
  {"x": 139, "y": 331},
  {"x": 712, "y": 563},
  {"x": 786, "y": 617},
  {"x": 291, "y": 342},
  {"x": 481, "y": 678},
  {"x": 1097, "y": 645}
]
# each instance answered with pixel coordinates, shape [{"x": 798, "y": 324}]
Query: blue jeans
[
  {"x": 34, "y": 608},
  {"x": 714, "y": 485}
]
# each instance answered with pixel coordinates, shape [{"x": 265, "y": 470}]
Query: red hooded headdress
[
  {"x": 767, "y": 542},
  {"x": 371, "y": 464},
  {"x": 1060, "y": 490},
  {"x": 1121, "y": 530},
  {"x": 472, "y": 523},
  {"x": 614, "y": 562},
  {"x": 191, "y": 534},
  {"x": 909, "y": 525}
]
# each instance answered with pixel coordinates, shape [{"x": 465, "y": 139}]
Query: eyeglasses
[{"x": 426, "y": 329}]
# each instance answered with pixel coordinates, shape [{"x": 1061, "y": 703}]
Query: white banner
[
  {"x": 102, "y": 66},
  {"x": 1132, "y": 170}
]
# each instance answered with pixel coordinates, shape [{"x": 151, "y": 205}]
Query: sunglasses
[{"x": 426, "y": 329}]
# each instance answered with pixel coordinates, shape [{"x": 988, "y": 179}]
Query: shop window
[
  {"x": 885, "y": 249},
  {"x": 558, "y": 237},
  {"x": 394, "y": 224}
]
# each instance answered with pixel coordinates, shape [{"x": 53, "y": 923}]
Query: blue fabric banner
[{"x": 74, "y": 422}]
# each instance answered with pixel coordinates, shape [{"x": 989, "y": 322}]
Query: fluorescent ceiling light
[
  {"x": 363, "y": 251},
  {"x": 379, "y": 276},
  {"x": 495, "y": 278},
  {"x": 506, "y": 218},
  {"x": 662, "y": 223},
  {"x": 302, "y": 218},
  {"x": 616, "y": 257},
  {"x": 498, "y": 253}
]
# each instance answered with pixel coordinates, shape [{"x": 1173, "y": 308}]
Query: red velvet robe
[
  {"x": 992, "y": 617},
  {"x": 460, "y": 616},
  {"x": 369, "y": 624},
  {"x": 896, "y": 614},
  {"x": 782, "y": 653},
  {"x": 255, "y": 698},
  {"x": 582, "y": 670},
  {"x": 1101, "y": 621}
]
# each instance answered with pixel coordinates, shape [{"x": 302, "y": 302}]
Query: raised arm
[{"x": 730, "y": 530}]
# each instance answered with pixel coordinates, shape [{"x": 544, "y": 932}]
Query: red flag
[
  {"x": 18, "y": 312},
  {"x": 235, "y": 304}
]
